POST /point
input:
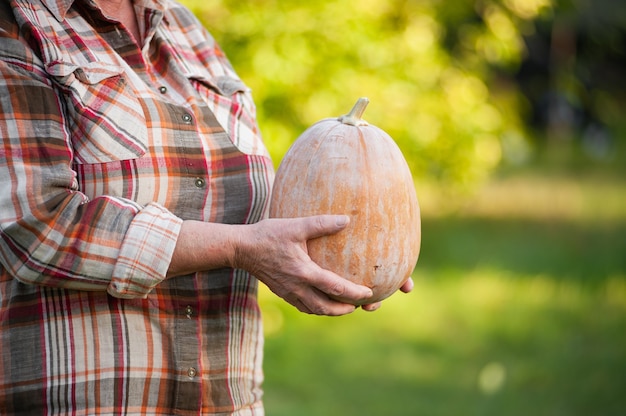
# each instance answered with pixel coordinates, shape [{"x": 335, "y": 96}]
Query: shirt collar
[{"x": 59, "y": 8}]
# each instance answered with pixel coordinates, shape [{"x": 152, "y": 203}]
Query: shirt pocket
[
  {"x": 231, "y": 102},
  {"x": 105, "y": 118}
]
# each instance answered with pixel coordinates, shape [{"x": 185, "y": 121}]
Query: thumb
[{"x": 321, "y": 225}]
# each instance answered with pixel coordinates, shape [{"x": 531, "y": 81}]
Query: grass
[{"x": 519, "y": 308}]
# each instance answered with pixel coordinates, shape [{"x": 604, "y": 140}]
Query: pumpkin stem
[{"x": 353, "y": 118}]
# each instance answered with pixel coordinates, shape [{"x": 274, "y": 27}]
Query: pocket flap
[
  {"x": 90, "y": 73},
  {"x": 224, "y": 85}
]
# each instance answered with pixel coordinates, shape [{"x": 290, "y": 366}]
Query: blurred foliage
[
  {"x": 572, "y": 77},
  {"x": 429, "y": 68}
]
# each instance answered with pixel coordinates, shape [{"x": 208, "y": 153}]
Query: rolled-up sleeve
[{"x": 145, "y": 253}]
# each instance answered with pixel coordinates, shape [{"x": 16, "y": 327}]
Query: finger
[
  {"x": 371, "y": 307},
  {"x": 339, "y": 288},
  {"x": 317, "y": 303},
  {"x": 407, "y": 286},
  {"x": 311, "y": 300},
  {"x": 331, "y": 308},
  {"x": 321, "y": 225},
  {"x": 300, "y": 306}
]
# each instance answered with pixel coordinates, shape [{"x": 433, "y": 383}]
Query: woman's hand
[{"x": 275, "y": 252}]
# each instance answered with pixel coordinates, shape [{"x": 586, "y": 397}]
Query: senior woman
[{"x": 133, "y": 192}]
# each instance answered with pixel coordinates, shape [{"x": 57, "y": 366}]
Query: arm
[{"x": 275, "y": 252}]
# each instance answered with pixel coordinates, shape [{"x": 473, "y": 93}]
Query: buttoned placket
[
  {"x": 187, "y": 118},
  {"x": 186, "y": 348},
  {"x": 192, "y": 371}
]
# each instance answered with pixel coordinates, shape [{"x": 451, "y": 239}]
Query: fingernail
[{"x": 342, "y": 220}]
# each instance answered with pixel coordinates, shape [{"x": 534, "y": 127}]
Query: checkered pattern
[{"x": 106, "y": 148}]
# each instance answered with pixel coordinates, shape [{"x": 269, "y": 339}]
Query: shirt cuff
[{"x": 146, "y": 252}]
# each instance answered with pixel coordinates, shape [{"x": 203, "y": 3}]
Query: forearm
[{"x": 204, "y": 246}]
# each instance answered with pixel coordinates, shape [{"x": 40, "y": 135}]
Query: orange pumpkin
[{"x": 346, "y": 166}]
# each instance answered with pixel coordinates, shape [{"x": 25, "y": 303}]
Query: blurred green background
[{"x": 510, "y": 114}]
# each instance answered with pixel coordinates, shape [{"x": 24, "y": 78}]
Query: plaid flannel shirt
[{"x": 106, "y": 148}]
